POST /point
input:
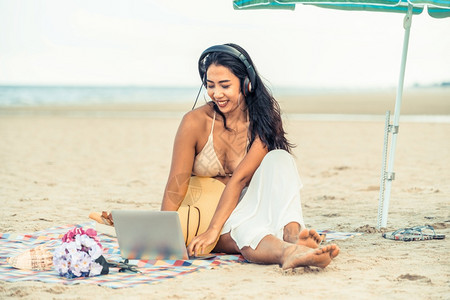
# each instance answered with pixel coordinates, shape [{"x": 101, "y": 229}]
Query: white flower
[
  {"x": 63, "y": 266},
  {"x": 75, "y": 267},
  {"x": 85, "y": 240},
  {"x": 77, "y": 256},
  {"x": 78, "y": 241},
  {"x": 59, "y": 252},
  {"x": 96, "y": 269},
  {"x": 57, "y": 263},
  {"x": 92, "y": 243},
  {"x": 71, "y": 247},
  {"x": 95, "y": 251},
  {"x": 85, "y": 263}
]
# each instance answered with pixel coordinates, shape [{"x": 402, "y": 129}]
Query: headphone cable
[{"x": 198, "y": 94}]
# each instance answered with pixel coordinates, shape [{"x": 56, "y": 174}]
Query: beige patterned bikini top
[{"x": 206, "y": 162}]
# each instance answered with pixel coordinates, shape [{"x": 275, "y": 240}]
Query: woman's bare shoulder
[{"x": 198, "y": 118}]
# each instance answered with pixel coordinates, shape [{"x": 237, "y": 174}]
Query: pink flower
[
  {"x": 70, "y": 235},
  {"x": 79, "y": 231},
  {"x": 91, "y": 233}
]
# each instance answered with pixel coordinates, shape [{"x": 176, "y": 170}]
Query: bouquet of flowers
[{"x": 79, "y": 254}]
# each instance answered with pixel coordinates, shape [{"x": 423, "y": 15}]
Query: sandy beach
[{"x": 60, "y": 163}]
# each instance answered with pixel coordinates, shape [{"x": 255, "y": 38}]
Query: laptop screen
[{"x": 149, "y": 234}]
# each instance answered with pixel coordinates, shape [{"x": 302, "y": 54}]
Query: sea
[
  {"x": 73, "y": 96},
  {"x": 19, "y": 96}
]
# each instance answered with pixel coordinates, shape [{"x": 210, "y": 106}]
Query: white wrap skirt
[{"x": 271, "y": 201}]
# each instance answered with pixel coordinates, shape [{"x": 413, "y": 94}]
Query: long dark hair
[{"x": 263, "y": 109}]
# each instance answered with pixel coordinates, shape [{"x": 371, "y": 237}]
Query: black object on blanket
[
  {"x": 124, "y": 266},
  {"x": 102, "y": 261}
]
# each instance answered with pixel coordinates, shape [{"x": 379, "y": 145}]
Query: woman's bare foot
[
  {"x": 301, "y": 256},
  {"x": 309, "y": 238}
]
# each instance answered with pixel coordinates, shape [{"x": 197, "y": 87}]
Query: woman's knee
[{"x": 277, "y": 157}]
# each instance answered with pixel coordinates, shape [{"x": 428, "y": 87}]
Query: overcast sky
[{"x": 127, "y": 42}]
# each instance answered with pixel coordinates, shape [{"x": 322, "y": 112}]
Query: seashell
[{"x": 38, "y": 259}]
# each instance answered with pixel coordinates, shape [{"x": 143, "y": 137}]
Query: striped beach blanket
[
  {"x": 338, "y": 235},
  {"x": 152, "y": 271}
]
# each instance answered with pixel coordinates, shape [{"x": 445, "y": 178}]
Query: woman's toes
[
  {"x": 335, "y": 251},
  {"x": 304, "y": 234}
]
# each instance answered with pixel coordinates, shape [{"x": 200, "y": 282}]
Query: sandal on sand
[
  {"x": 417, "y": 233},
  {"x": 103, "y": 218}
]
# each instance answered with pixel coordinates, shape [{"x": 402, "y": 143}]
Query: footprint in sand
[
  {"x": 371, "y": 188},
  {"x": 420, "y": 190},
  {"x": 414, "y": 277},
  {"x": 440, "y": 225},
  {"x": 25, "y": 199},
  {"x": 341, "y": 168},
  {"x": 331, "y": 215},
  {"x": 325, "y": 197},
  {"x": 136, "y": 183},
  {"x": 18, "y": 292},
  {"x": 367, "y": 229},
  {"x": 328, "y": 174},
  {"x": 299, "y": 271},
  {"x": 122, "y": 201},
  {"x": 56, "y": 290}
]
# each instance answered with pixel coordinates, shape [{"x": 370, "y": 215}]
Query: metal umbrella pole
[{"x": 388, "y": 176}]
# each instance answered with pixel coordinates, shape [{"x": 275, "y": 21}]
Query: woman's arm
[
  {"x": 182, "y": 162},
  {"x": 230, "y": 197}
]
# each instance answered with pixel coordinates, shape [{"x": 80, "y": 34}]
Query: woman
[{"x": 238, "y": 139}]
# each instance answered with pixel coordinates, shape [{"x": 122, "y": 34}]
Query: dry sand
[{"x": 57, "y": 166}]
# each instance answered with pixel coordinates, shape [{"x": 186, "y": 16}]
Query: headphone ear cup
[{"x": 247, "y": 86}]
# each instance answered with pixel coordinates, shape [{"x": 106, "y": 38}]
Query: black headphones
[{"x": 249, "y": 81}]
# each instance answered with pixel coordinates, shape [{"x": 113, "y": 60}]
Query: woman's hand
[{"x": 201, "y": 242}]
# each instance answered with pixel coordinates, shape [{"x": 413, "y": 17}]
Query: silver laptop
[{"x": 150, "y": 235}]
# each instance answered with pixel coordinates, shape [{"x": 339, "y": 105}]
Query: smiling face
[{"x": 224, "y": 88}]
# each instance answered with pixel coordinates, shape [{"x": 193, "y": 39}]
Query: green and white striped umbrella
[{"x": 435, "y": 8}]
